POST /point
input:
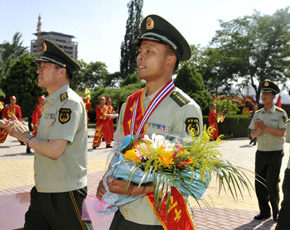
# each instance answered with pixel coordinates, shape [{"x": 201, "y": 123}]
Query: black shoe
[
  {"x": 28, "y": 150},
  {"x": 275, "y": 216},
  {"x": 22, "y": 143},
  {"x": 108, "y": 146},
  {"x": 261, "y": 217},
  {"x": 94, "y": 147}
]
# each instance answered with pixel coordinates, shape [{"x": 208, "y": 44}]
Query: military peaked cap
[
  {"x": 52, "y": 53},
  {"x": 155, "y": 28},
  {"x": 268, "y": 86}
]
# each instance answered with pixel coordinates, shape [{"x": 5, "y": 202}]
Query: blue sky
[{"x": 99, "y": 25}]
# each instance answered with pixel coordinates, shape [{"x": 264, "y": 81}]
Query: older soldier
[
  {"x": 161, "y": 47},
  {"x": 60, "y": 162},
  {"x": 269, "y": 126}
]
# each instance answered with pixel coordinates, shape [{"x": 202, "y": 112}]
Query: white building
[{"x": 64, "y": 41}]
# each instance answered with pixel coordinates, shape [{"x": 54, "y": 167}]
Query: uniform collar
[
  {"x": 272, "y": 110},
  {"x": 151, "y": 97},
  {"x": 52, "y": 98}
]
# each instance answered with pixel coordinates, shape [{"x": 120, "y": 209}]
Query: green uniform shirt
[
  {"x": 64, "y": 117},
  {"x": 274, "y": 118},
  {"x": 175, "y": 115}
]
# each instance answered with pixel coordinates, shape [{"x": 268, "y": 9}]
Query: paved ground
[{"x": 16, "y": 176}]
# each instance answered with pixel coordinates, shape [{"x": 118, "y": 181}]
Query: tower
[{"x": 38, "y": 36}]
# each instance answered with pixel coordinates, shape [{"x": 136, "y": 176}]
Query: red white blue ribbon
[{"x": 163, "y": 93}]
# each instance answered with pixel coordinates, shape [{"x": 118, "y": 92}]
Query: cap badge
[
  {"x": 149, "y": 24},
  {"x": 44, "y": 47},
  {"x": 266, "y": 83}
]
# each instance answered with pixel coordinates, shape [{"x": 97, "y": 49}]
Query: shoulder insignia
[
  {"x": 279, "y": 109},
  {"x": 259, "y": 110},
  {"x": 192, "y": 123},
  {"x": 63, "y": 96},
  {"x": 64, "y": 115},
  {"x": 179, "y": 98}
]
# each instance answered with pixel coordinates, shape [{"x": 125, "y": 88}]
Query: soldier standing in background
[{"x": 269, "y": 126}]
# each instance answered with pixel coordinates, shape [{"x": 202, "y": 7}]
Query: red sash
[
  {"x": 178, "y": 217},
  {"x": 128, "y": 114}
]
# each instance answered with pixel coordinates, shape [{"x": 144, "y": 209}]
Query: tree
[
  {"x": 191, "y": 82},
  {"x": 21, "y": 81},
  {"x": 213, "y": 67},
  {"x": 12, "y": 51},
  {"x": 256, "y": 48},
  {"x": 129, "y": 51},
  {"x": 90, "y": 76},
  {"x": 114, "y": 80},
  {"x": 131, "y": 79},
  {"x": 15, "y": 49}
]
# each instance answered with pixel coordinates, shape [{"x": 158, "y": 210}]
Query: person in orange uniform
[
  {"x": 88, "y": 105},
  {"x": 8, "y": 111},
  {"x": 212, "y": 122},
  {"x": 37, "y": 114},
  {"x": 102, "y": 125},
  {"x": 110, "y": 120}
]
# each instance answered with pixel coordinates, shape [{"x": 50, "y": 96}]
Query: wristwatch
[{"x": 28, "y": 138}]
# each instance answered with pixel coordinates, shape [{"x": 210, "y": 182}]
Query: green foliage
[
  {"x": 21, "y": 81},
  {"x": 119, "y": 96},
  {"x": 129, "y": 51},
  {"x": 90, "y": 76},
  {"x": 14, "y": 49},
  {"x": 131, "y": 79},
  {"x": 226, "y": 107},
  {"x": 253, "y": 48},
  {"x": 233, "y": 126},
  {"x": 114, "y": 80},
  {"x": 191, "y": 82}
]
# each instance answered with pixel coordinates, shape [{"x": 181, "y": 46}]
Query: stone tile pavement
[{"x": 224, "y": 213}]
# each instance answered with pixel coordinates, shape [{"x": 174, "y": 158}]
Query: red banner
[{"x": 178, "y": 217}]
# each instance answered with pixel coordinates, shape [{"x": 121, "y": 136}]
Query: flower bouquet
[
  {"x": 220, "y": 118},
  {"x": 170, "y": 163}
]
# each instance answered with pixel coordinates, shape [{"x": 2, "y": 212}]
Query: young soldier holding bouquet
[{"x": 161, "y": 47}]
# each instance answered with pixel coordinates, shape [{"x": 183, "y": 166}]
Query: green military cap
[
  {"x": 155, "y": 28},
  {"x": 268, "y": 86},
  {"x": 52, "y": 53}
]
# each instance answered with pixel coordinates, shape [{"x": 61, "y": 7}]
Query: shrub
[{"x": 233, "y": 126}]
